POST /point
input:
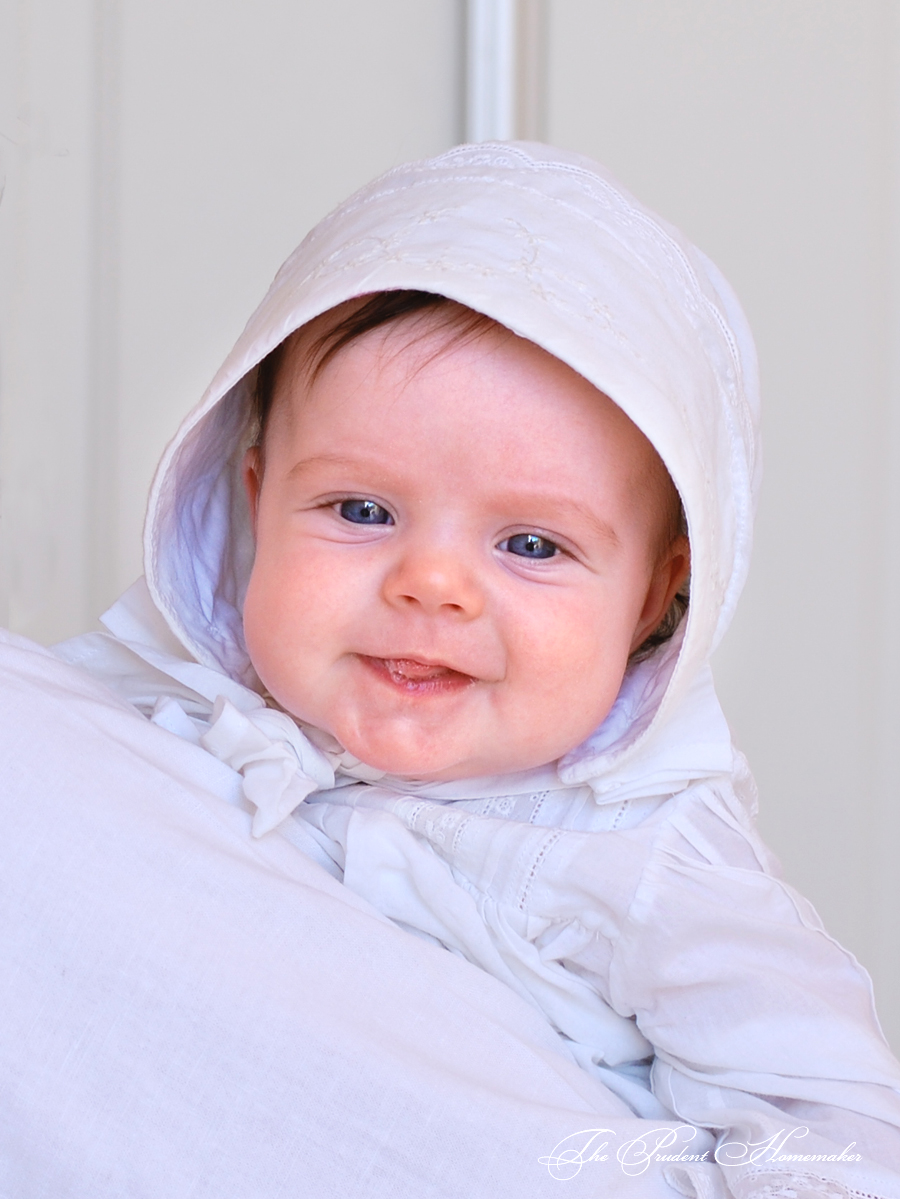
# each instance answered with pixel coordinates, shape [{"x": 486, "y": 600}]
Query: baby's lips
[
  {"x": 403, "y": 670},
  {"x": 410, "y": 669}
]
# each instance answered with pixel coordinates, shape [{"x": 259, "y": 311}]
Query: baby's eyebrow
[
  {"x": 341, "y": 460},
  {"x": 602, "y": 527}
]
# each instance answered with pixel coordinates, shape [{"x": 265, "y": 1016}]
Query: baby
[{"x": 417, "y": 570}]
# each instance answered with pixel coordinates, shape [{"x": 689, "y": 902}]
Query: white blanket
[{"x": 187, "y": 1011}]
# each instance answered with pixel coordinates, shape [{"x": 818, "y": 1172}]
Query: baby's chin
[
  {"x": 430, "y": 760},
  {"x": 413, "y": 765}
]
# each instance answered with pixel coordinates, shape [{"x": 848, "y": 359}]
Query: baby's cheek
[
  {"x": 557, "y": 637},
  {"x": 257, "y": 628},
  {"x": 272, "y": 620},
  {"x": 574, "y": 658},
  {"x": 289, "y": 617}
]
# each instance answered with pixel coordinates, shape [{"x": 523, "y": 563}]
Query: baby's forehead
[{"x": 402, "y": 330}]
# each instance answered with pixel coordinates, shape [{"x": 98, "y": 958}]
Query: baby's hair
[
  {"x": 380, "y": 309},
  {"x": 462, "y": 324}
]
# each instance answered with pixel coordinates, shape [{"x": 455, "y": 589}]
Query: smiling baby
[{"x": 416, "y": 572}]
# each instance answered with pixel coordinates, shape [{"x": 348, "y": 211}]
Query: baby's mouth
[
  {"x": 416, "y": 676},
  {"x": 404, "y": 670}
]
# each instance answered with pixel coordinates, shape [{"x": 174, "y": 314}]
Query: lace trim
[{"x": 765, "y": 1185}]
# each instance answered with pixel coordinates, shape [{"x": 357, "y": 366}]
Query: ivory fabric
[
  {"x": 621, "y": 894},
  {"x": 188, "y": 1012}
]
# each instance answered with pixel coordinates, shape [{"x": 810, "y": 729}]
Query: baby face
[{"x": 457, "y": 549}]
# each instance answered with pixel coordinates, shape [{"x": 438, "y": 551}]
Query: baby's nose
[{"x": 438, "y": 583}]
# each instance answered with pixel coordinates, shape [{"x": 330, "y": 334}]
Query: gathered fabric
[{"x": 623, "y": 891}]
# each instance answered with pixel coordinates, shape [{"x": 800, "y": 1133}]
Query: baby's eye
[
  {"x": 365, "y": 512},
  {"x": 530, "y": 545}
]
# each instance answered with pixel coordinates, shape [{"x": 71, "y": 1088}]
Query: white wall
[
  {"x": 46, "y": 263},
  {"x": 162, "y": 158}
]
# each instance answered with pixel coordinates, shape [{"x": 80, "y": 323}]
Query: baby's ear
[
  {"x": 668, "y": 578},
  {"x": 251, "y": 472}
]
